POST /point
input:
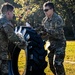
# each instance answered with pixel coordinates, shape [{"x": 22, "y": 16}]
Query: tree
[{"x": 67, "y": 10}]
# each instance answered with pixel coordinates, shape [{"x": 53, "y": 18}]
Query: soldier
[
  {"x": 6, "y": 34},
  {"x": 53, "y": 25}
]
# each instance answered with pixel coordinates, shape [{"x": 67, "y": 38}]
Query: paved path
[{"x": 69, "y": 62}]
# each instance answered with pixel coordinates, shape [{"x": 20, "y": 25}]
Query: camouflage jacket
[
  {"x": 54, "y": 26},
  {"x": 6, "y": 33}
]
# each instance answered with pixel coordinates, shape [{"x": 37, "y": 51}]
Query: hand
[
  {"x": 49, "y": 31},
  {"x": 45, "y": 29}
]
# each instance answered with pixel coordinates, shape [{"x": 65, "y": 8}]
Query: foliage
[
  {"x": 67, "y": 9},
  {"x": 26, "y": 10}
]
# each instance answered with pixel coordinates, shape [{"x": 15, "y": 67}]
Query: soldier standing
[
  {"x": 53, "y": 25},
  {"x": 6, "y": 34}
]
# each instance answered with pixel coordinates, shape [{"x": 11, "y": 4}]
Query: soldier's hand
[{"x": 45, "y": 30}]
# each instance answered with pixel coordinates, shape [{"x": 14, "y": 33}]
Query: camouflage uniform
[
  {"x": 54, "y": 27},
  {"x": 6, "y": 34}
]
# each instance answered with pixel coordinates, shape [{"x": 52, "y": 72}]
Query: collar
[
  {"x": 50, "y": 19},
  {"x": 4, "y": 19}
]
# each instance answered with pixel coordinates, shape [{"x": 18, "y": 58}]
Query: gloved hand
[
  {"x": 19, "y": 33},
  {"x": 45, "y": 29}
]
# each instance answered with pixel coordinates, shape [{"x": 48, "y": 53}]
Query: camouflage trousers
[
  {"x": 56, "y": 59},
  {"x": 3, "y": 63}
]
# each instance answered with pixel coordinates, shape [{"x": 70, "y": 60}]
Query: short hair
[
  {"x": 6, "y": 7},
  {"x": 49, "y": 4}
]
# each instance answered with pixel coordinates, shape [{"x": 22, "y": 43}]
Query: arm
[
  {"x": 57, "y": 32},
  {"x": 10, "y": 33}
]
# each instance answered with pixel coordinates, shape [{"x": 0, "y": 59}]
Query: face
[
  {"x": 10, "y": 15},
  {"x": 48, "y": 11}
]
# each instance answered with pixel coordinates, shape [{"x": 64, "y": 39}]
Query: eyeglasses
[{"x": 46, "y": 10}]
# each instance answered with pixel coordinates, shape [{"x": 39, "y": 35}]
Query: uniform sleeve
[
  {"x": 10, "y": 33},
  {"x": 57, "y": 32},
  {"x": 40, "y": 27}
]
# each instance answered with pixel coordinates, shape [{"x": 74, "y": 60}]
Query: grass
[{"x": 69, "y": 58}]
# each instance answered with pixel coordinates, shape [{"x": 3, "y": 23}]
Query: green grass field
[{"x": 69, "y": 62}]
